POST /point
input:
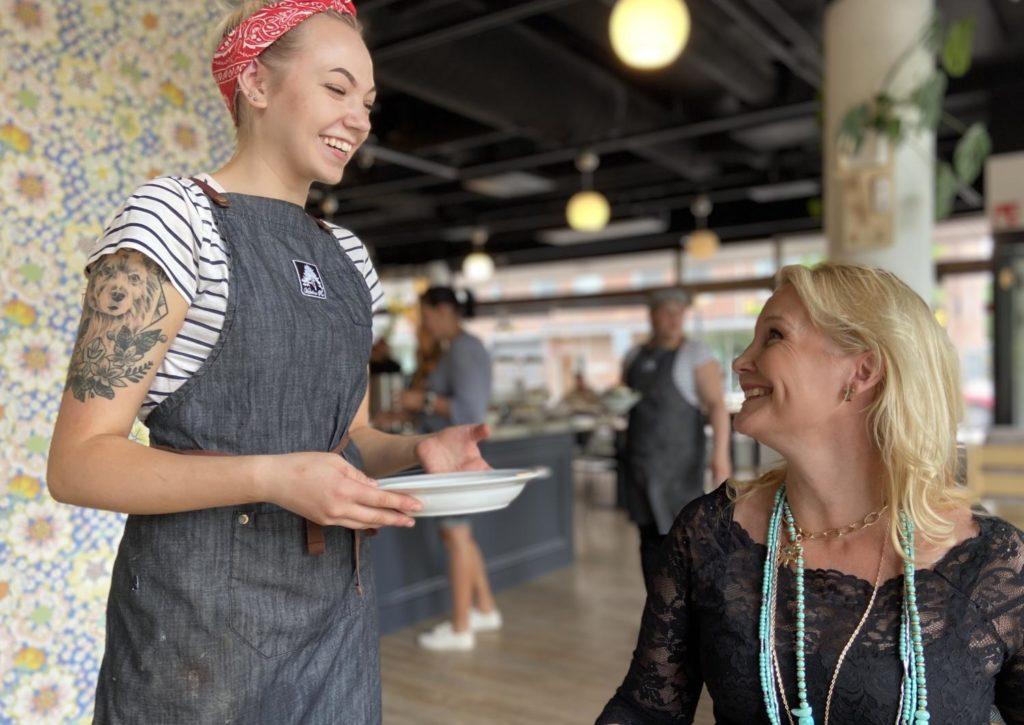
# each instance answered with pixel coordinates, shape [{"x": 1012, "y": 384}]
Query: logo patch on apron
[{"x": 311, "y": 284}]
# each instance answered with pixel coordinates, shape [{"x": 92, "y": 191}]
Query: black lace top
[{"x": 700, "y": 628}]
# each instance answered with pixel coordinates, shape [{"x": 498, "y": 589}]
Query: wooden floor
[{"x": 564, "y": 648}]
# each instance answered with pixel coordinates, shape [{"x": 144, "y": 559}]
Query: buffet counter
[{"x": 531, "y": 537}]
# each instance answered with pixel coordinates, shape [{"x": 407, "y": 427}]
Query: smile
[
  {"x": 751, "y": 393},
  {"x": 337, "y": 144}
]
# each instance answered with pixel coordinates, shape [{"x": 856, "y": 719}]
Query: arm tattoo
[{"x": 123, "y": 303}]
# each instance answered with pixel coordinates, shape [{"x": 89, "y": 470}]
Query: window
[
  {"x": 965, "y": 311},
  {"x": 806, "y": 249},
  {"x": 962, "y": 238},
  {"x": 733, "y": 261}
]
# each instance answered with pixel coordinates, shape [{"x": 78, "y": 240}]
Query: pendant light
[
  {"x": 702, "y": 243},
  {"x": 649, "y": 34},
  {"x": 588, "y": 210},
  {"x": 478, "y": 266}
]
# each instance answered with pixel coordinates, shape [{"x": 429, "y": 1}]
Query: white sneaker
[
  {"x": 484, "y": 621},
  {"x": 443, "y": 638}
]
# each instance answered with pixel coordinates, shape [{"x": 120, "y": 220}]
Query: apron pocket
[{"x": 282, "y": 599}]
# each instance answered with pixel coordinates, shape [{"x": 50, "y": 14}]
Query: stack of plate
[{"x": 468, "y": 492}]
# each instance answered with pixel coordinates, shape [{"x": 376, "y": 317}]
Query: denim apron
[
  {"x": 664, "y": 442},
  {"x": 222, "y": 615}
]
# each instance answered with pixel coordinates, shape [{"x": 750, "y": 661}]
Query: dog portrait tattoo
[{"x": 123, "y": 305}]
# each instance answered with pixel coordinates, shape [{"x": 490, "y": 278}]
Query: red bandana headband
[{"x": 245, "y": 43}]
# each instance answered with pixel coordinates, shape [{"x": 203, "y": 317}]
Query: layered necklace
[{"x": 913, "y": 707}]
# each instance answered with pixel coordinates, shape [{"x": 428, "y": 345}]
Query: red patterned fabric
[{"x": 244, "y": 44}]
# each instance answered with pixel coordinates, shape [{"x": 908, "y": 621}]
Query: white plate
[{"x": 466, "y": 492}]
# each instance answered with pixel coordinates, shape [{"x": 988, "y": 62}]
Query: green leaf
[
  {"x": 94, "y": 351},
  {"x": 124, "y": 339},
  {"x": 971, "y": 151},
  {"x": 145, "y": 342},
  {"x": 894, "y": 129},
  {"x": 855, "y": 123},
  {"x": 946, "y": 186},
  {"x": 956, "y": 51},
  {"x": 927, "y": 98}
]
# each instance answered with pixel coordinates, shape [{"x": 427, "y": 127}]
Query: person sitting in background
[
  {"x": 852, "y": 584},
  {"x": 676, "y": 377},
  {"x": 582, "y": 398},
  {"x": 457, "y": 389}
]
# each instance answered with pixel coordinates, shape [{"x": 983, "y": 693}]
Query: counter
[{"x": 530, "y": 538}]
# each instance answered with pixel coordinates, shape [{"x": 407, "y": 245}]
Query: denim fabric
[
  {"x": 220, "y": 615},
  {"x": 664, "y": 443}
]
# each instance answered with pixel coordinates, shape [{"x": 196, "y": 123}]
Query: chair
[{"x": 996, "y": 471}]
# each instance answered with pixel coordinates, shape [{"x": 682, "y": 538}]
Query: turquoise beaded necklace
[{"x": 913, "y": 689}]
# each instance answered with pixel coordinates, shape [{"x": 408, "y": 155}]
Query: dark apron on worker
[
  {"x": 664, "y": 443},
  {"x": 222, "y": 615}
]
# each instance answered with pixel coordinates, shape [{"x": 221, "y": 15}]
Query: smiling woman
[
  {"x": 238, "y": 326},
  {"x": 852, "y": 582},
  {"x": 866, "y": 337},
  {"x": 306, "y": 73}
]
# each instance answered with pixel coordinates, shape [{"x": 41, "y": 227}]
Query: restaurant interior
[{"x": 561, "y": 161}]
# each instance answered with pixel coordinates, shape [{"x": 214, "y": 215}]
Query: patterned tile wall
[{"x": 96, "y": 96}]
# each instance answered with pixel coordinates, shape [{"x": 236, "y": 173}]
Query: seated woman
[{"x": 853, "y": 583}]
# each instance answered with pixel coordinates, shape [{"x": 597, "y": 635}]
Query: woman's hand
[
  {"x": 327, "y": 490},
  {"x": 454, "y": 449}
]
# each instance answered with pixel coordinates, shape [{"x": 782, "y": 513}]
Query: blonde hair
[
  {"x": 275, "y": 55},
  {"x": 914, "y": 416}
]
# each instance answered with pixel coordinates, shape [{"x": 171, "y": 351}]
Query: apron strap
[
  {"x": 215, "y": 196},
  {"x": 315, "y": 544},
  {"x": 222, "y": 200}
]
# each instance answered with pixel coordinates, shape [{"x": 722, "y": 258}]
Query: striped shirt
[{"x": 170, "y": 221}]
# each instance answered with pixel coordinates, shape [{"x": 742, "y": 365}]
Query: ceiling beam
[
  {"x": 779, "y": 51},
  {"x": 409, "y": 161},
  {"x": 478, "y": 24},
  {"x": 535, "y": 305},
  {"x": 955, "y": 101},
  {"x": 668, "y": 240},
  {"x": 680, "y": 132},
  {"x": 551, "y": 214},
  {"x": 781, "y": 20}
]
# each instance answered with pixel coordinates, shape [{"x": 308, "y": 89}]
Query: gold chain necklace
[{"x": 789, "y": 552}]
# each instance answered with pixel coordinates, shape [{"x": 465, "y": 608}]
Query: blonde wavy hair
[
  {"x": 914, "y": 416},
  {"x": 276, "y": 54}
]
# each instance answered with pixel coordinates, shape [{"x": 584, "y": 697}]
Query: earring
[{"x": 848, "y": 393}]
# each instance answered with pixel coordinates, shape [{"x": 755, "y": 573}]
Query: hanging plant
[{"x": 921, "y": 110}]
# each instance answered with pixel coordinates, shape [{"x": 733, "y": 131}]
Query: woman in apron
[
  {"x": 678, "y": 379},
  {"x": 239, "y": 327}
]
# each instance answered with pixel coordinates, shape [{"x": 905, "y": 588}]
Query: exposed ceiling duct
[{"x": 484, "y": 104}]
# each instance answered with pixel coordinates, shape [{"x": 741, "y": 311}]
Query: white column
[{"x": 863, "y": 40}]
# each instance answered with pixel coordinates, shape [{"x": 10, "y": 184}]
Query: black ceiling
[{"x": 470, "y": 89}]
